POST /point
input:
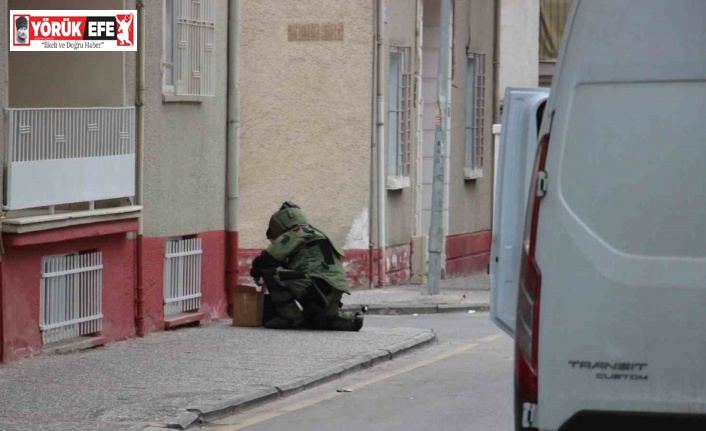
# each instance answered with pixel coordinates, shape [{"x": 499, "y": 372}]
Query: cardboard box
[{"x": 248, "y": 303}]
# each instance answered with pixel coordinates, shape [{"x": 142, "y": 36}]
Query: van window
[{"x": 633, "y": 166}]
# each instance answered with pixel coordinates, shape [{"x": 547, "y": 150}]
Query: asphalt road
[{"x": 463, "y": 382}]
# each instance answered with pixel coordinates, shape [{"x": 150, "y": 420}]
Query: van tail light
[{"x": 528, "y": 300}]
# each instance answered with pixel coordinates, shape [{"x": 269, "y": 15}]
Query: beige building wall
[
  {"x": 306, "y": 116},
  {"x": 185, "y": 143},
  {"x": 519, "y": 45},
  {"x": 470, "y": 204},
  {"x": 401, "y": 32},
  {"x": 66, "y": 79}
]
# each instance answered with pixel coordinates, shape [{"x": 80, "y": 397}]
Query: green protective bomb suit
[{"x": 302, "y": 265}]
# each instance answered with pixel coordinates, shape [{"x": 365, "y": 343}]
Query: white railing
[
  {"x": 182, "y": 276},
  {"x": 70, "y": 296},
  {"x": 65, "y": 155}
]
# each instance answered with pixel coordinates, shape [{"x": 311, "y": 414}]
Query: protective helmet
[{"x": 288, "y": 216}]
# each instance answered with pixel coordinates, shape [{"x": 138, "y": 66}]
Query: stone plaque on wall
[{"x": 323, "y": 32}]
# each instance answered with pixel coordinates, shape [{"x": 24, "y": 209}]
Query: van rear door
[{"x": 522, "y": 113}]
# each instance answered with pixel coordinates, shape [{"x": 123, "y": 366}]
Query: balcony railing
[{"x": 59, "y": 156}]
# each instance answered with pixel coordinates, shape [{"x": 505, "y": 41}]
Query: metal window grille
[
  {"x": 70, "y": 296},
  {"x": 475, "y": 115},
  {"x": 52, "y": 150},
  {"x": 189, "y": 63},
  {"x": 479, "y": 110},
  {"x": 182, "y": 276},
  {"x": 402, "y": 107}
]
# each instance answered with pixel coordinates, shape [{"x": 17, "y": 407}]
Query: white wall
[{"x": 519, "y": 44}]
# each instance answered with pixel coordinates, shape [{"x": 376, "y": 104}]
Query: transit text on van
[{"x": 620, "y": 366}]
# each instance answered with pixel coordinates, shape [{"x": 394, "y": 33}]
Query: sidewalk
[
  {"x": 471, "y": 293},
  {"x": 212, "y": 370}
]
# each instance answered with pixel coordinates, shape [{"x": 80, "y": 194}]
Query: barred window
[
  {"x": 399, "y": 115},
  {"x": 189, "y": 58},
  {"x": 475, "y": 115}
]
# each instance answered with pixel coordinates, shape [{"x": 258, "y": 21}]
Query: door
[{"x": 518, "y": 143}]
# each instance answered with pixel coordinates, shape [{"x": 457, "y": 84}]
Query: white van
[{"x": 610, "y": 326}]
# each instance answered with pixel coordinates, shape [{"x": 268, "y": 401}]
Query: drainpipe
[
  {"x": 139, "y": 186},
  {"x": 420, "y": 112},
  {"x": 496, "y": 60},
  {"x": 382, "y": 191},
  {"x": 232, "y": 143},
  {"x": 373, "y": 143}
]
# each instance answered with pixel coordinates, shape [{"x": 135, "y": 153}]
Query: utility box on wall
[{"x": 420, "y": 257}]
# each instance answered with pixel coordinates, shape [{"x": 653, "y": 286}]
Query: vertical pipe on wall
[
  {"x": 419, "y": 23},
  {"x": 373, "y": 143},
  {"x": 233, "y": 143},
  {"x": 381, "y": 190},
  {"x": 496, "y": 59},
  {"x": 139, "y": 157}
]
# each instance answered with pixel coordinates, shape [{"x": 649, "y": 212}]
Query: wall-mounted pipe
[
  {"x": 419, "y": 32},
  {"x": 139, "y": 157},
  {"x": 381, "y": 183},
  {"x": 373, "y": 145},
  {"x": 233, "y": 143},
  {"x": 496, "y": 60}
]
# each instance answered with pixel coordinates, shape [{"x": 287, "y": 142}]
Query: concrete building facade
[
  {"x": 144, "y": 256},
  {"x": 310, "y": 108},
  {"x": 138, "y": 185}
]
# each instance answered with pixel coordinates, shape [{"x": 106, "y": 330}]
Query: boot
[
  {"x": 346, "y": 322},
  {"x": 282, "y": 323}
]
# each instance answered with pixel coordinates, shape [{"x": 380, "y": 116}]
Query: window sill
[
  {"x": 34, "y": 223},
  {"x": 171, "y": 98},
  {"x": 398, "y": 183},
  {"x": 472, "y": 173}
]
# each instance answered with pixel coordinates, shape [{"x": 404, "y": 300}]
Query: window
[
  {"x": 552, "y": 22},
  {"x": 182, "y": 275},
  {"x": 399, "y": 118},
  {"x": 475, "y": 115},
  {"x": 188, "y": 57},
  {"x": 70, "y": 295}
]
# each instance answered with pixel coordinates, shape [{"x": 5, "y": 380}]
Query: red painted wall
[
  {"x": 213, "y": 274},
  {"x": 467, "y": 253},
  {"x": 357, "y": 266},
  {"x": 153, "y": 282},
  {"x": 356, "y": 263},
  {"x": 399, "y": 264},
  {"x": 21, "y": 280},
  {"x": 213, "y": 278},
  {"x": 21, "y": 272}
]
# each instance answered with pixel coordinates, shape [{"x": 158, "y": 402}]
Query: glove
[{"x": 255, "y": 272}]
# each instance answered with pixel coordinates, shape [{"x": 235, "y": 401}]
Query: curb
[
  {"x": 391, "y": 310},
  {"x": 221, "y": 409}
]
